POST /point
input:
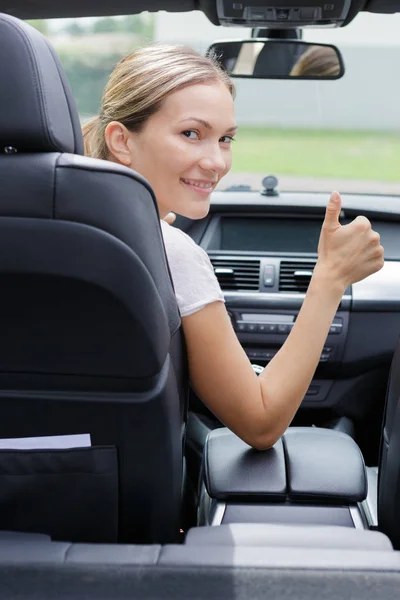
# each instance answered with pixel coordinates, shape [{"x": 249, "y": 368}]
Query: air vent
[
  {"x": 294, "y": 276},
  {"x": 237, "y": 275}
]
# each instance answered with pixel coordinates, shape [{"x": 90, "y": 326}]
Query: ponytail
[{"x": 93, "y": 139}]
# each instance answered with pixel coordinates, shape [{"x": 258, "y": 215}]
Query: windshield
[{"x": 312, "y": 135}]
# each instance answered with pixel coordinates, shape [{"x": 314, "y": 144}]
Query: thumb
[{"x": 333, "y": 210}]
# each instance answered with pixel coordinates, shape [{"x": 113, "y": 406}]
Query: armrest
[
  {"x": 324, "y": 464},
  {"x": 233, "y": 469},
  {"x": 307, "y": 464}
]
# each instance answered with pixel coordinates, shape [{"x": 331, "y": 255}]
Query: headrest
[{"x": 37, "y": 111}]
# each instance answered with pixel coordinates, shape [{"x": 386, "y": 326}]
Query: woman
[{"x": 167, "y": 113}]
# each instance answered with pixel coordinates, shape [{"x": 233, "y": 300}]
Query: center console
[
  {"x": 311, "y": 476},
  {"x": 262, "y": 333}
]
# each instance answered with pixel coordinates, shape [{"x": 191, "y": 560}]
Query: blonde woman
[{"x": 168, "y": 113}]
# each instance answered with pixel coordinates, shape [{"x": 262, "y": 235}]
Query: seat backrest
[
  {"x": 389, "y": 462},
  {"x": 90, "y": 331}
]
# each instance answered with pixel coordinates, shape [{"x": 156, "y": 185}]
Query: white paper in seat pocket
[{"x": 49, "y": 442}]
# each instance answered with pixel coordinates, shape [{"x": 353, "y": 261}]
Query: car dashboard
[{"x": 264, "y": 249}]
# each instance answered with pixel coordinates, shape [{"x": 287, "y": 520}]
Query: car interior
[{"x": 156, "y": 498}]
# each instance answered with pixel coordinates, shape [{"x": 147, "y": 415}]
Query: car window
[{"x": 312, "y": 135}]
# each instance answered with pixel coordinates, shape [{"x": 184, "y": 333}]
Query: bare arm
[{"x": 259, "y": 409}]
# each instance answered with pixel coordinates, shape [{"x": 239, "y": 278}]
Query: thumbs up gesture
[{"x": 348, "y": 253}]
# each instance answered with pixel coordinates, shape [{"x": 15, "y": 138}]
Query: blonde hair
[
  {"x": 318, "y": 61},
  {"x": 141, "y": 82}
]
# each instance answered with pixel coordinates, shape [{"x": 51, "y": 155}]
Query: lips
[{"x": 200, "y": 185}]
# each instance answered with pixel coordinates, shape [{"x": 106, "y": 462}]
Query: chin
[
  {"x": 196, "y": 213},
  {"x": 196, "y": 210},
  {"x": 193, "y": 213}
]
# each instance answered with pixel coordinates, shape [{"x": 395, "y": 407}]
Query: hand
[
  {"x": 347, "y": 253},
  {"x": 170, "y": 218}
]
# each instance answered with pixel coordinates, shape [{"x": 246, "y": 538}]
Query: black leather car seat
[
  {"x": 389, "y": 462},
  {"x": 90, "y": 331}
]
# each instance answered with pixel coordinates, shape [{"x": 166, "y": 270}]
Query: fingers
[
  {"x": 362, "y": 224},
  {"x": 373, "y": 250},
  {"x": 333, "y": 210}
]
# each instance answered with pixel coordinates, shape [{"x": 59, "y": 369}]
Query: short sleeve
[{"x": 192, "y": 273}]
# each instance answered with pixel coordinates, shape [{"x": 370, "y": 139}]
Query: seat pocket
[{"x": 71, "y": 494}]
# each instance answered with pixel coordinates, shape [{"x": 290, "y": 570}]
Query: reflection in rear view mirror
[{"x": 278, "y": 59}]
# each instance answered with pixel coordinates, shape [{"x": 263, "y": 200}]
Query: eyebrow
[{"x": 207, "y": 124}]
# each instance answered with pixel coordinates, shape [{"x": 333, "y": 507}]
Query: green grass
[{"x": 340, "y": 154}]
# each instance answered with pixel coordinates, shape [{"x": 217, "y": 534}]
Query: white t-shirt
[{"x": 193, "y": 275}]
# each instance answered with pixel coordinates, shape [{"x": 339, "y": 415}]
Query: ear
[{"x": 117, "y": 139}]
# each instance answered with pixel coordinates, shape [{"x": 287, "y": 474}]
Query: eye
[
  {"x": 191, "y": 134},
  {"x": 227, "y": 139}
]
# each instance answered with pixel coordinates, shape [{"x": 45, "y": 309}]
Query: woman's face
[{"x": 184, "y": 149}]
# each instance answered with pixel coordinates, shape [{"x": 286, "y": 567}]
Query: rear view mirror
[{"x": 278, "y": 59}]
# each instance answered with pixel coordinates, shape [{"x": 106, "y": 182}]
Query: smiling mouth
[{"x": 205, "y": 187}]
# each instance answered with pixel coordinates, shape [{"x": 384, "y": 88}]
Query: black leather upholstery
[
  {"x": 91, "y": 339},
  {"x": 324, "y": 464},
  {"x": 37, "y": 109},
  {"x": 74, "y": 569},
  {"x": 289, "y": 536},
  {"x": 181, "y": 572},
  {"x": 234, "y": 470},
  {"x": 389, "y": 464},
  {"x": 307, "y": 465}
]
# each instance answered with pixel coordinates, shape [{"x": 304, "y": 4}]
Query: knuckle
[
  {"x": 362, "y": 223},
  {"x": 376, "y": 237},
  {"x": 377, "y": 253},
  {"x": 379, "y": 257}
]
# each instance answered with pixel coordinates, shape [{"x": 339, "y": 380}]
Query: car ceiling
[
  {"x": 42, "y": 9},
  {"x": 30, "y": 9}
]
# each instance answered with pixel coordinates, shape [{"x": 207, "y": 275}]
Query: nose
[{"x": 214, "y": 160}]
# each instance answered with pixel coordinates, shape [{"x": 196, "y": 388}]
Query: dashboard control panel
[
  {"x": 278, "y": 327},
  {"x": 262, "y": 333}
]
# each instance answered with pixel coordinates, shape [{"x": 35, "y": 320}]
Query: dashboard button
[
  {"x": 283, "y": 329},
  {"x": 241, "y": 326},
  {"x": 269, "y": 275},
  {"x": 313, "y": 390},
  {"x": 335, "y": 328},
  {"x": 270, "y": 327},
  {"x": 257, "y": 14},
  {"x": 251, "y": 327},
  {"x": 261, "y": 328},
  {"x": 282, "y": 14}
]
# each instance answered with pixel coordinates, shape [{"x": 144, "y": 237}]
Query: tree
[
  {"x": 40, "y": 24},
  {"x": 138, "y": 24},
  {"x": 74, "y": 28},
  {"x": 106, "y": 25}
]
